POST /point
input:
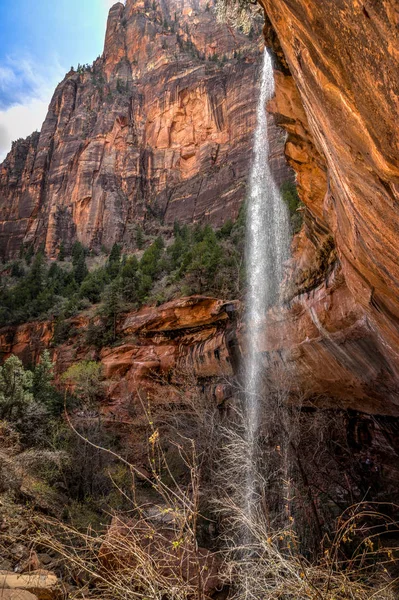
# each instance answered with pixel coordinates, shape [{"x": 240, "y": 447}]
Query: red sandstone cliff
[
  {"x": 156, "y": 130},
  {"x": 337, "y": 96}
]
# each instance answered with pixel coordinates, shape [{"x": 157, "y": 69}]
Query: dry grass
[{"x": 151, "y": 551}]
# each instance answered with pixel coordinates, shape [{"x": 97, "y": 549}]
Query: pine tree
[
  {"x": 42, "y": 385},
  {"x": 15, "y": 389},
  {"x": 61, "y": 253},
  {"x": 77, "y": 251},
  {"x": 94, "y": 284},
  {"x": 150, "y": 261},
  {"x": 130, "y": 280},
  {"x": 80, "y": 271},
  {"x": 139, "y": 237},
  {"x": 111, "y": 308},
  {"x": 114, "y": 261},
  {"x": 35, "y": 280}
]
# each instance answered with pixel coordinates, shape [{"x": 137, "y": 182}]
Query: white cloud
[
  {"x": 20, "y": 121},
  {"x": 35, "y": 87}
]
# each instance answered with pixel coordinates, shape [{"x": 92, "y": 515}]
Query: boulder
[
  {"x": 16, "y": 595},
  {"x": 41, "y": 584}
]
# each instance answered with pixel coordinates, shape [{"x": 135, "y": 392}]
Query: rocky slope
[
  {"x": 320, "y": 346},
  {"x": 158, "y": 129}
]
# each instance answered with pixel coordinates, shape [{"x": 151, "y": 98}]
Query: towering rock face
[
  {"x": 158, "y": 129},
  {"x": 337, "y": 95}
]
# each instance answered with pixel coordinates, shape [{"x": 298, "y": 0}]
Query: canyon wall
[
  {"x": 337, "y": 96},
  {"x": 158, "y": 129}
]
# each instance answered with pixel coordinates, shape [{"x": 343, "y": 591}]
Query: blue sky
[{"x": 39, "y": 41}]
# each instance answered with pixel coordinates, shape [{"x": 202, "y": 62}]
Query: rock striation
[
  {"x": 191, "y": 338},
  {"x": 320, "y": 346},
  {"x": 158, "y": 129},
  {"x": 337, "y": 96}
]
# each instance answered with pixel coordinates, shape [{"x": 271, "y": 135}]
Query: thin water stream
[{"x": 267, "y": 247}]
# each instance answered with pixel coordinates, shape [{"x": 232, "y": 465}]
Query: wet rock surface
[{"x": 337, "y": 96}]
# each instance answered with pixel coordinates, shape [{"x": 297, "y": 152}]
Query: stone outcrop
[
  {"x": 322, "y": 348},
  {"x": 43, "y": 585},
  {"x": 158, "y": 129},
  {"x": 337, "y": 96},
  {"x": 191, "y": 339},
  {"x": 321, "y": 341}
]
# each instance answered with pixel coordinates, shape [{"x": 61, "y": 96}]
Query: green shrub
[
  {"x": 93, "y": 285},
  {"x": 85, "y": 379},
  {"x": 15, "y": 389}
]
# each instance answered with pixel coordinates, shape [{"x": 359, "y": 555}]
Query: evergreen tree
[
  {"x": 59, "y": 280},
  {"x": 17, "y": 270},
  {"x": 150, "y": 261},
  {"x": 205, "y": 258},
  {"x": 35, "y": 280},
  {"x": 80, "y": 271},
  {"x": 42, "y": 385},
  {"x": 28, "y": 254},
  {"x": 94, "y": 284},
  {"x": 15, "y": 389},
  {"x": 61, "y": 253},
  {"x": 111, "y": 309},
  {"x": 176, "y": 229},
  {"x": 77, "y": 251},
  {"x": 226, "y": 229},
  {"x": 140, "y": 237},
  {"x": 130, "y": 280},
  {"x": 114, "y": 261}
]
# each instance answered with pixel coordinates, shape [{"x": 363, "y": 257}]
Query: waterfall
[{"x": 267, "y": 245}]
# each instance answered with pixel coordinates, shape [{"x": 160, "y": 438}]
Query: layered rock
[
  {"x": 189, "y": 338},
  {"x": 320, "y": 346},
  {"x": 158, "y": 129},
  {"x": 337, "y": 95}
]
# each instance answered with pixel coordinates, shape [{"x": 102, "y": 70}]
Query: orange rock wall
[
  {"x": 156, "y": 131},
  {"x": 191, "y": 339},
  {"x": 338, "y": 98}
]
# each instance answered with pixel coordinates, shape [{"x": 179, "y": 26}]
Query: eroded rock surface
[
  {"x": 320, "y": 346},
  {"x": 191, "y": 339},
  {"x": 158, "y": 129},
  {"x": 337, "y": 95}
]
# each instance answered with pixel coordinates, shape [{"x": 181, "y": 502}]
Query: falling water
[{"x": 267, "y": 238}]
